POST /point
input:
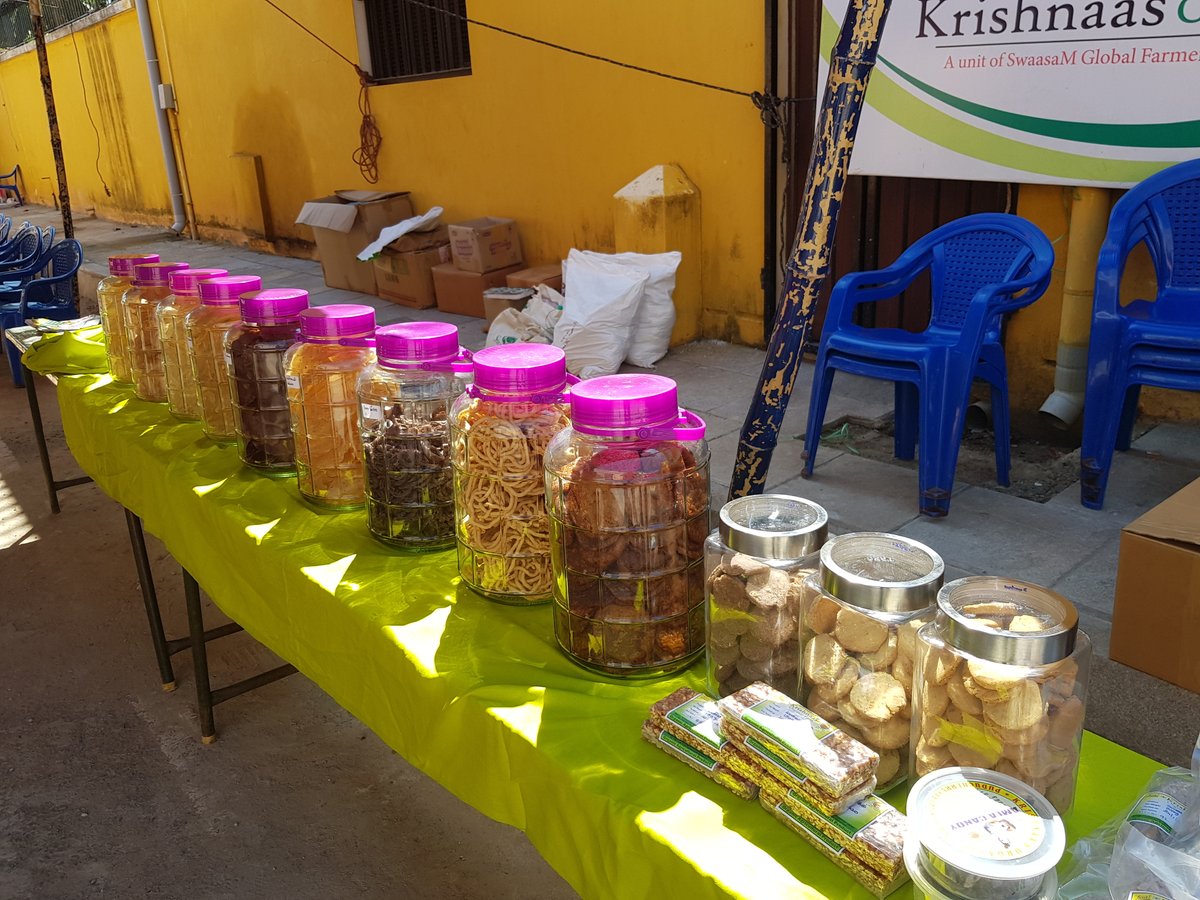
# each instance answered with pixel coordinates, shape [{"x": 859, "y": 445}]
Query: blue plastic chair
[
  {"x": 51, "y": 297},
  {"x": 8, "y": 182},
  {"x": 981, "y": 267},
  {"x": 22, "y": 249},
  {"x": 1153, "y": 342}
]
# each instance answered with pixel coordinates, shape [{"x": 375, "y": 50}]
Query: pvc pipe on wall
[{"x": 164, "y": 127}]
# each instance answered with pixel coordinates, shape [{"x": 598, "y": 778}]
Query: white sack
[
  {"x": 651, "y": 335},
  {"x": 512, "y": 326},
  {"x": 600, "y": 306}
]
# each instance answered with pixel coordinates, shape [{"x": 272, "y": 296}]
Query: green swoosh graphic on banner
[
  {"x": 942, "y": 129},
  {"x": 1155, "y": 135}
]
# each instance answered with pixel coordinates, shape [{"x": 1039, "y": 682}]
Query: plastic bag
[
  {"x": 545, "y": 308},
  {"x": 512, "y": 326},
  {"x": 424, "y": 222},
  {"x": 600, "y": 306},
  {"x": 651, "y": 335}
]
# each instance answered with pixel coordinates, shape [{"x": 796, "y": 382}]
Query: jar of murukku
[
  {"x": 140, "y": 305},
  {"x": 112, "y": 315},
  {"x": 255, "y": 349},
  {"x": 627, "y": 490},
  {"x": 183, "y": 395},
  {"x": 336, "y": 344},
  {"x": 404, "y": 404},
  {"x": 499, "y": 430},
  {"x": 207, "y": 326}
]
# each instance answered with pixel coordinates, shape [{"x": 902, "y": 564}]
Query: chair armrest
[
  {"x": 41, "y": 290},
  {"x": 872, "y": 286}
]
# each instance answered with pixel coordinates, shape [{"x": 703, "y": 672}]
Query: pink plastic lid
[
  {"x": 156, "y": 272},
  {"x": 274, "y": 306},
  {"x": 123, "y": 265},
  {"x": 224, "y": 290},
  {"x": 409, "y": 345},
  {"x": 637, "y": 406},
  {"x": 184, "y": 281},
  {"x": 337, "y": 322},
  {"x": 520, "y": 369}
]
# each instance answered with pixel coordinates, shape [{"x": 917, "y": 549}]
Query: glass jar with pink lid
[
  {"x": 336, "y": 344},
  {"x": 207, "y": 326},
  {"x": 112, "y": 316},
  {"x": 140, "y": 304},
  {"x": 500, "y": 428},
  {"x": 628, "y": 492},
  {"x": 183, "y": 395},
  {"x": 255, "y": 349}
]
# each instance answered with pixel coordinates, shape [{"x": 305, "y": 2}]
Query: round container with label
[
  {"x": 183, "y": 395},
  {"x": 112, "y": 316},
  {"x": 764, "y": 547},
  {"x": 977, "y": 834}
]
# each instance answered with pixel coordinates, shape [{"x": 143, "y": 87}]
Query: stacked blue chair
[
  {"x": 981, "y": 267},
  {"x": 8, "y": 182},
  {"x": 49, "y": 297},
  {"x": 23, "y": 249},
  {"x": 1153, "y": 342}
]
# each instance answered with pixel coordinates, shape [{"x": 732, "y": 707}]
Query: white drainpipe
[{"x": 164, "y": 127}]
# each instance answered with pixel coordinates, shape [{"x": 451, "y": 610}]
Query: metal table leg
[
  {"x": 162, "y": 652},
  {"x": 35, "y": 412}
]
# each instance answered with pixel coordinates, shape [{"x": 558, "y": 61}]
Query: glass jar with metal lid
[
  {"x": 763, "y": 549},
  {"x": 859, "y": 617},
  {"x": 1000, "y": 682}
]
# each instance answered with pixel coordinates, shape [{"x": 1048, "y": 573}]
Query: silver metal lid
[
  {"x": 773, "y": 526},
  {"x": 885, "y": 572},
  {"x": 1007, "y": 621}
]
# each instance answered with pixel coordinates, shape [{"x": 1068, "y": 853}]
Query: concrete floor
[{"x": 108, "y": 792}]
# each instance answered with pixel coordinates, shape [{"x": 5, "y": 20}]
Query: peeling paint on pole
[{"x": 60, "y": 166}]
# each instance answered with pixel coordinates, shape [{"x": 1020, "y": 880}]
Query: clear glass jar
[
  {"x": 859, "y": 616},
  {"x": 1001, "y": 683},
  {"x": 206, "y": 327},
  {"x": 335, "y": 346},
  {"x": 763, "y": 549},
  {"x": 140, "y": 305},
  {"x": 405, "y": 401},
  {"x": 499, "y": 430},
  {"x": 183, "y": 395},
  {"x": 109, "y": 292},
  {"x": 627, "y": 490},
  {"x": 254, "y": 352}
]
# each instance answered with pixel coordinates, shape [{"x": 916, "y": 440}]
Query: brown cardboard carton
[
  {"x": 1156, "y": 616},
  {"x": 496, "y": 300},
  {"x": 343, "y": 224},
  {"x": 422, "y": 240},
  {"x": 462, "y": 292},
  {"x": 549, "y": 275},
  {"x": 407, "y": 278},
  {"x": 485, "y": 245}
]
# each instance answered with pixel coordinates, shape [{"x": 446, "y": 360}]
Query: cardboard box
[
  {"x": 549, "y": 275},
  {"x": 437, "y": 236},
  {"x": 496, "y": 300},
  {"x": 485, "y": 245},
  {"x": 462, "y": 292},
  {"x": 1156, "y": 616},
  {"x": 407, "y": 278},
  {"x": 343, "y": 224}
]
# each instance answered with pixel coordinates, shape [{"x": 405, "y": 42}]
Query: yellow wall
[{"x": 533, "y": 133}]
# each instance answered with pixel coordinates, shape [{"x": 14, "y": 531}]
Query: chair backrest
[
  {"x": 26, "y": 246},
  {"x": 62, "y": 262},
  {"x": 48, "y": 235},
  {"x": 1163, "y": 212}
]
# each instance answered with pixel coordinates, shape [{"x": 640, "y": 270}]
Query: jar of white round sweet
[
  {"x": 764, "y": 547},
  {"x": 859, "y": 616},
  {"x": 1000, "y": 683}
]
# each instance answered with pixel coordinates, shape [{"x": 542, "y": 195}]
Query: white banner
[{"x": 1102, "y": 92}]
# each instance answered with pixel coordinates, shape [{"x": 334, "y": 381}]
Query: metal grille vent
[{"x": 409, "y": 41}]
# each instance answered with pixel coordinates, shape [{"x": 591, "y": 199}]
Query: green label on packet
[
  {"x": 771, "y": 756},
  {"x": 699, "y": 717},
  {"x": 852, "y": 820},
  {"x": 1159, "y": 810},
  {"x": 788, "y": 724},
  {"x": 823, "y": 839},
  {"x": 682, "y": 748}
]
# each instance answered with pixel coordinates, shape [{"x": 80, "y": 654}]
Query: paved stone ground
[{"x": 105, "y": 790}]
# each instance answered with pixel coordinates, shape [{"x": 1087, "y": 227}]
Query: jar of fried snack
[
  {"x": 255, "y": 349},
  {"x": 764, "y": 547},
  {"x": 112, "y": 315},
  {"x": 859, "y": 617},
  {"x": 183, "y": 395},
  {"x": 336, "y": 344},
  {"x": 627, "y": 490},
  {"x": 404, "y": 401},
  {"x": 207, "y": 325},
  {"x": 1000, "y": 683},
  {"x": 500, "y": 428},
  {"x": 140, "y": 304}
]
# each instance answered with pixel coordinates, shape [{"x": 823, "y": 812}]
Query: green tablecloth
[{"x": 475, "y": 694}]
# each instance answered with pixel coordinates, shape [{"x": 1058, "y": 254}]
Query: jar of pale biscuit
[
  {"x": 859, "y": 617},
  {"x": 1001, "y": 683},
  {"x": 763, "y": 549}
]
